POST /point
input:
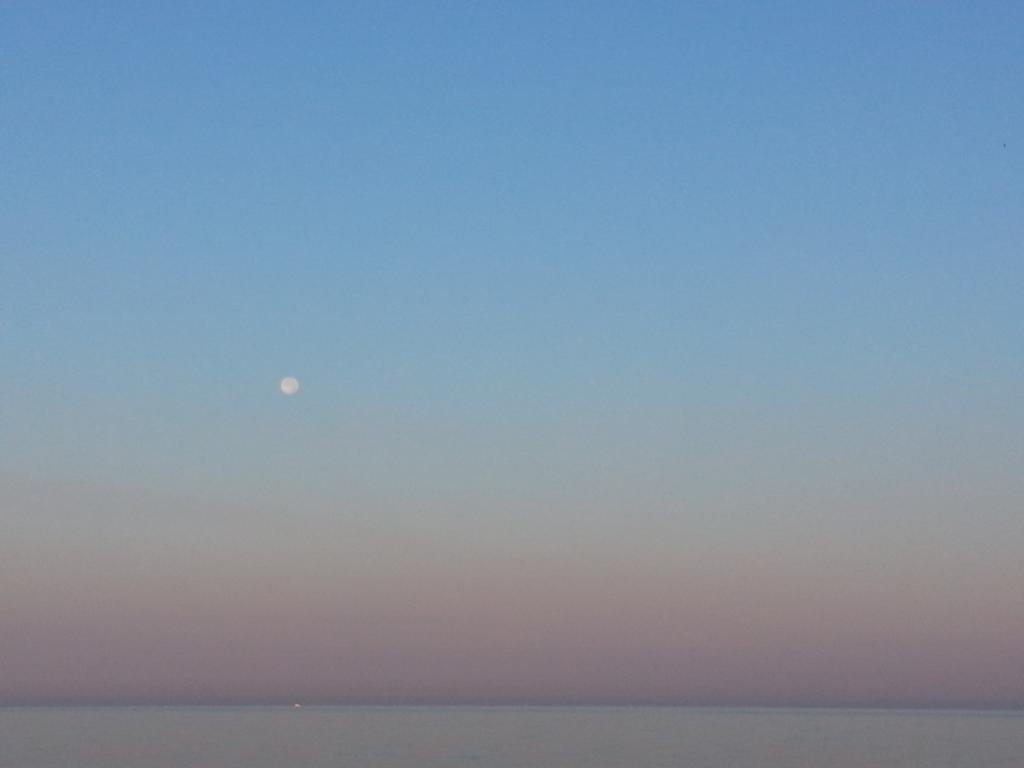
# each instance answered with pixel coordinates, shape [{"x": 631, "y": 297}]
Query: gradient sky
[{"x": 651, "y": 352}]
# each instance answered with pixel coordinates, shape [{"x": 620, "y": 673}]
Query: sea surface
[{"x": 505, "y": 737}]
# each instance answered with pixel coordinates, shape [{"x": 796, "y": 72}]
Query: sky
[{"x": 651, "y": 353}]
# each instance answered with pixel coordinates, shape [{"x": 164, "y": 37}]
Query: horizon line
[{"x": 908, "y": 706}]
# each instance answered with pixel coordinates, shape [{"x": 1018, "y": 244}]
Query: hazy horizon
[{"x": 659, "y": 354}]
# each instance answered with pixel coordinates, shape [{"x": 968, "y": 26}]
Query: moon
[{"x": 289, "y": 385}]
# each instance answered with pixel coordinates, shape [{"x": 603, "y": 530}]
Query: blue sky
[{"x": 710, "y": 269}]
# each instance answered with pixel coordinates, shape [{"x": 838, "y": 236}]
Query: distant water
[{"x": 505, "y": 737}]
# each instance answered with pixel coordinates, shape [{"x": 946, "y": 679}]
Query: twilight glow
[{"x": 647, "y": 355}]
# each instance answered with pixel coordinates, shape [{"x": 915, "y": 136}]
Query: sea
[{"x": 506, "y": 737}]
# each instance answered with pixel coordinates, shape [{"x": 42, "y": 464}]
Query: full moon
[{"x": 289, "y": 385}]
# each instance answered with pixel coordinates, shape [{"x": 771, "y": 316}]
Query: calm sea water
[{"x": 500, "y": 737}]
